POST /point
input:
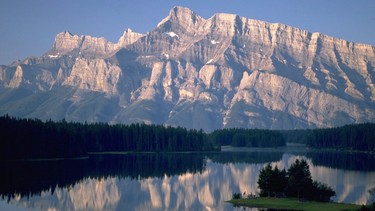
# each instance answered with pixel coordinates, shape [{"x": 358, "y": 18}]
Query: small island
[
  {"x": 291, "y": 190},
  {"x": 294, "y": 204}
]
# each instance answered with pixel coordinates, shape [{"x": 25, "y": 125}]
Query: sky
[{"x": 28, "y": 27}]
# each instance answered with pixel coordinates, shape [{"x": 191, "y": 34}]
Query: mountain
[{"x": 221, "y": 72}]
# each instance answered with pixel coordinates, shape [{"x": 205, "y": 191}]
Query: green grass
[{"x": 292, "y": 204}]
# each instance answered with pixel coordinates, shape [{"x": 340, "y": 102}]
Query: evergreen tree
[
  {"x": 321, "y": 192},
  {"x": 296, "y": 183},
  {"x": 272, "y": 182},
  {"x": 264, "y": 181},
  {"x": 299, "y": 179},
  {"x": 279, "y": 182}
]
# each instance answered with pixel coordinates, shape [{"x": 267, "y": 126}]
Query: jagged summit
[
  {"x": 85, "y": 45},
  {"x": 181, "y": 15},
  {"x": 66, "y": 41},
  {"x": 225, "y": 71},
  {"x": 65, "y": 33},
  {"x": 128, "y": 37},
  {"x": 178, "y": 11}
]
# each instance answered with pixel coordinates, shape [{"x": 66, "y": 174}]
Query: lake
[{"x": 172, "y": 181}]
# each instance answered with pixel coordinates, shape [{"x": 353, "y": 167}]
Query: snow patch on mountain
[
  {"x": 214, "y": 42},
  {"x": 209, "y": 61},
  {"x": 172, "y": 34}
]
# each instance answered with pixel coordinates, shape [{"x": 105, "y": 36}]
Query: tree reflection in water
[{"x": 164, "y": 181}]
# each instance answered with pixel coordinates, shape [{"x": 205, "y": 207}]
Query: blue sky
[{"x": 28, "y": 27}]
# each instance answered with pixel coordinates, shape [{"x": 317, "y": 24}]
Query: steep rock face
[
  {"x": 225, "y": 71},
  {"x": 17, "y": 78},
  {"x": 95, "y": 75},
  {"x": 93, "y": 47},
  {"x": 66, "y": 43},
  {"x": 267, "y": 98},
  {"x": 128, "y": 37}
]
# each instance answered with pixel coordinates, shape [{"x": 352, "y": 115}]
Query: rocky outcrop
[
  {"x": 128, "y": 37},
  {"x": 225, "y": 71},
  {"x": 95, "y": 75},
  {"x": 87, "y": 46}
]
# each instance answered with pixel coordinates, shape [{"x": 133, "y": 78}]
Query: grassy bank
[{"x": 292, "y": 204}]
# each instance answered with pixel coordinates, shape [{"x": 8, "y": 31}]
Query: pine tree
[
  {"x": 264, "y": 181},
  {"x": 272, "y": 182},
  {"x": 279, "y": 181},
  {"x": 299, "y": 179},
  {"x": 296, "y": 183}
]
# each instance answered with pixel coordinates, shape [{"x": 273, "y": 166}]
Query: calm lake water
[{"x": 172, "y": 181}]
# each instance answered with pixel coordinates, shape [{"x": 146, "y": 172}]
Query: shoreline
[
  {"x": 292, "y": 204},
  {"x": 291, "y": 147}
]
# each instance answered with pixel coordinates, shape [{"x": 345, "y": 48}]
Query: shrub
[{"x": 236, "y": 196}]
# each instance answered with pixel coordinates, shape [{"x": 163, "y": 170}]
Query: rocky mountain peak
[
  {"x": 226, "y": 71},
  {"x": 66, "y": 42},
  {"x": 182, "y": 16},
  {"x": 182, "y": 13},
  {"x": 88, "y": 46},
  {"x": 65, "y": 34},
  {"x": 128, "y": 37}
]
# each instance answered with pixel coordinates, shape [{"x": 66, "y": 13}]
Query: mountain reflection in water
[{"x": 165, "y": 181}]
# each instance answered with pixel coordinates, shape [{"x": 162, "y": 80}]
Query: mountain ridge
[{"x": 225, "y": 71}]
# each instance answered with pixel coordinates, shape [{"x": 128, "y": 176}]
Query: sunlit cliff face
[
  {"x": 222, "y": 72},
  {"x": 206, "y": 190}
]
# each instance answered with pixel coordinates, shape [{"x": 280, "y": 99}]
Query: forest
[
  {"x": 37, "y": 139},
  {"x": 247, "y": 137},
  {"x": 359, "y": 137},
  {"x": 32, "y": 138}
]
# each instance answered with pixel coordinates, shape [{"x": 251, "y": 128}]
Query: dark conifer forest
[
  {"x": 360, "y": 137},
  {"x": 32, "y": 138},
  {"x": 248, "y": 137},
  {"x": 37, "y": 139}
]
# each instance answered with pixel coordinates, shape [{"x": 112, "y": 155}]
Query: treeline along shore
[
  {"x": 355, "y": 137},
  {"x": 32, "y": 138},
  {"x": 360, "y": 137},
  {"x": 37, "y": 139}
]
